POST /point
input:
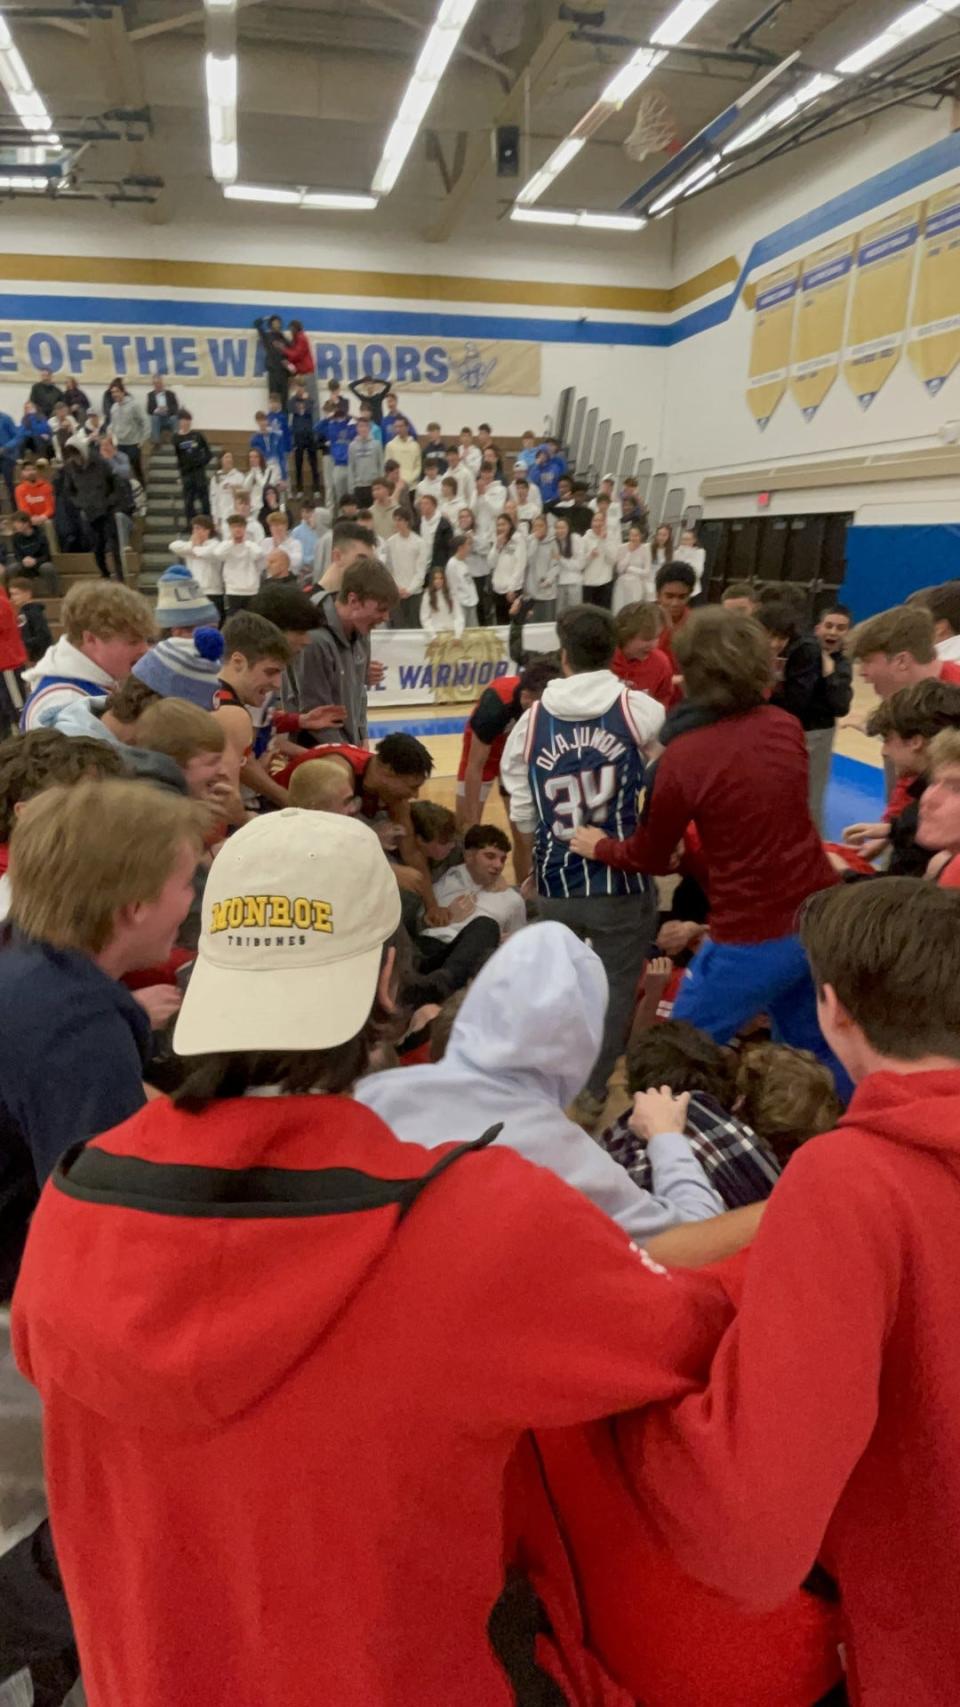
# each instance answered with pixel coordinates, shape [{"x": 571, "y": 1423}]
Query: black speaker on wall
[{"x": 508, "y": 151}]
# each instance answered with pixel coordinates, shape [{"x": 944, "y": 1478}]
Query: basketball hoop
[{"x": 655, "y": 128}]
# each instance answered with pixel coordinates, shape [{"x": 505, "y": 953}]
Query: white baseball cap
[{"x": 296, "y": 910}]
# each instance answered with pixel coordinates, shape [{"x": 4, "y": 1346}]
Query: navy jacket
[{"x": 73, "y": 1045}]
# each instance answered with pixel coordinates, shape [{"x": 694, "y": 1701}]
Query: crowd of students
[{"x": 343, "y": 1399}]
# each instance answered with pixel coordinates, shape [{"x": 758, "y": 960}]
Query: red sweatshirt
[
  {"x": 299, "y": 353},
  {"x": 743, "y": 782},
  {"x": 652, "y": 675},
  {"x": 35, "y": 498},
  {"x": 278, "y": 1410},
  {"x": 831, "y": 1423}
]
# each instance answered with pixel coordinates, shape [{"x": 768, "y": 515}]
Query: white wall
[
  {"x": 228, "y": 233},
  {"x": 708, "y": 427}
]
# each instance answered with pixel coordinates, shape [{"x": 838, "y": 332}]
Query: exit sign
[{"x": 763, "y": 500}]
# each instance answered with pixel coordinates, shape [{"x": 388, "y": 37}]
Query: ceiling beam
[
  {"x": 180, "y": 22},
  {"x": 114, "y": 50},
  {"x": 537, "y": 69}
]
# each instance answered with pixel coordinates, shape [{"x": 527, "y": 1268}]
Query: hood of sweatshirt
[
  {"x": 585, "y": 695},
  {"x": 921, "y": 1111},
  {"x": 522, "y": 1044},
  {"x": 230, "y": 1244},
  {"x": 81, "y": 717},
  {"x": 63, "y": 659}
]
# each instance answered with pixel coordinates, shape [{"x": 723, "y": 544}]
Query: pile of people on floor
[{"x": 393, "y": 1344}]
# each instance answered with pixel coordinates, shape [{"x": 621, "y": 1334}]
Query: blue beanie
[
  {"x": 180, "y": 603},
  {"x": 184, "y": 667}
]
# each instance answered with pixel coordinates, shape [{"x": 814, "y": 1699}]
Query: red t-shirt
[
  {"x": 665, "y": 645},
  {"x": 35, "y": 498},
  {"x": 496, "y": 713},
  {"x": 949, "y": 672},
  {"x": 950, "y": 875},
  {"x": 652, "y": 675}
]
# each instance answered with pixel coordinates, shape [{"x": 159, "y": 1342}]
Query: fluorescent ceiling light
[
  {"x": 220, "y": 5},
  {"x": 707, "y": 178},
  {"x": 590, "y": 221},
  {"x": 684, "y": 18},
  {"x": 557, "y": 163},
  {"x": 900, "y": 29},
  {"x": 26, "y": 102},
  {"x": 221, "y": 78},
  {"x": 690, "y": 181},
  {"x": 25, "y": 183},
  {"x": 434, "y": 58},
  {"x": 345, "y": 200},
  {"x": 784, "y": 110},
  {"x": 630, "y": 76}
]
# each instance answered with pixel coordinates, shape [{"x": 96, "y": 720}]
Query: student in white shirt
[
  {"x": 431, "y": 486},
  {"x": 568, "y": 556},
  {"x": 240, "y": 567},
  {"x": 460, "y": 581},
  {"x": 470, "y": 454},
  {"x": 224, "y": 486},
  {"x": 688, "y": 551},
  {"x": 201, "y": 554},
  {"x": 440, "y": 610},
  {"x": 608, "y": 487},
  {"x": 635, "y": 582},
  {"x": 661, "y": 551},
  {"x": 528, "y": 503},
  {"x": 451, "y": 502},
  {"x": 254, "y": 527},
  {"x": 486, "y": 849},
  {"x": 526, "y": 497},
  {"x": 486, "y": 507},
  {"x": 406, "y": 558},
  {"x": 508, "y": 565},
  {"x": 543, "y": 573},
  {"x": 404, "y": 450},
  {"x": 466, "y": 485},
  {"x": 477, "y": 564},
  {"x": 255, "y": 479},
  {"x": 599, "y": 557},
  {"x": 279, "y": 538}
]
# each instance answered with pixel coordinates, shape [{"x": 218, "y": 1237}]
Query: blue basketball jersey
[{"x": 583, "y": 771}]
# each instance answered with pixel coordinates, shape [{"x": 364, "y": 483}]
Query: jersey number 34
[{"x": 583, "y": 798}]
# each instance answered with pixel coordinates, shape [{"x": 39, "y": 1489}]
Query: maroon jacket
[{"x": 743, "y": 782}]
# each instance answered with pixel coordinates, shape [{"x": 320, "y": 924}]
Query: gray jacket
[
  {"x": 332, "y": 670},
  {"x": 366, "y": 461},
  {"x": 128, "y": 423}
]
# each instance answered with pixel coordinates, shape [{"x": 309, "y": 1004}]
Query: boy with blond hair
[{"x": 106, "y": 628}]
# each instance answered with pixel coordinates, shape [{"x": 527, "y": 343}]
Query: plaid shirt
[{"x": 737, "y": 1163}]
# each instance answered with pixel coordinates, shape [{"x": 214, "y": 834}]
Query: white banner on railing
[{"x": 423, "y": 669}]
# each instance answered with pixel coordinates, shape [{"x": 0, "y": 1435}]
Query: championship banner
[
  {"x": 934, "y": 347},
  {"x": 772, "y": 339},
  {"x": 818, "y": 327},
  {"x": 424, "y": 669},
  {"x": 881, "y": 299},
  {"x": 98, "y": 353}
]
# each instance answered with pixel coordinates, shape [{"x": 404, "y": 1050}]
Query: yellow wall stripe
[{"x": 325, "y": 281}]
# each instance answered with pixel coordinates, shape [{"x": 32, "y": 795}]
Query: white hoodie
[
  {"x": 520, "y": 1050},
  {"x": 949, "y": 648},
  {"x": 578, "y": 698},
  {"x": 84, "y": 680}
]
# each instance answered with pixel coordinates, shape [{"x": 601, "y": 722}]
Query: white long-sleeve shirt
[
  {"x": 223, "y": 491},
  {"x": 461, "y": 582},
  {"x": 446, "y": 619},
  {"x": 406, "y": 559},
  {"x": 599, "y": 557},
  {"x": 635, "y": 578},
  {"x": 240, "y": 567},
  {"x": 570, "y": 568},
  {"x": 203, "y": 562},
  {"x": 509, "y": 565}
]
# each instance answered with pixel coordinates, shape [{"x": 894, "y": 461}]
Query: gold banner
[
  {"x": 881, "y": 299},
  {"x": 772, "y": 337},
  {"x": 97, "y": 353},
  {"x": 934, "y": 347},
  {"x": 819, "y": 323}
]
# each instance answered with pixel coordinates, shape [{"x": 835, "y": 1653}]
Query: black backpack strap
[{"x": 417, "y": 1186}]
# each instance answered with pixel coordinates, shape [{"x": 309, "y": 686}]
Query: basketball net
[{"x": 655, "y": 128}]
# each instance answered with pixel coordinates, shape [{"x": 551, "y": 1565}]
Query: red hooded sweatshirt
[
  {"x": 831, "y": 1424},
  {"x": 280, "y": 1402}
]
